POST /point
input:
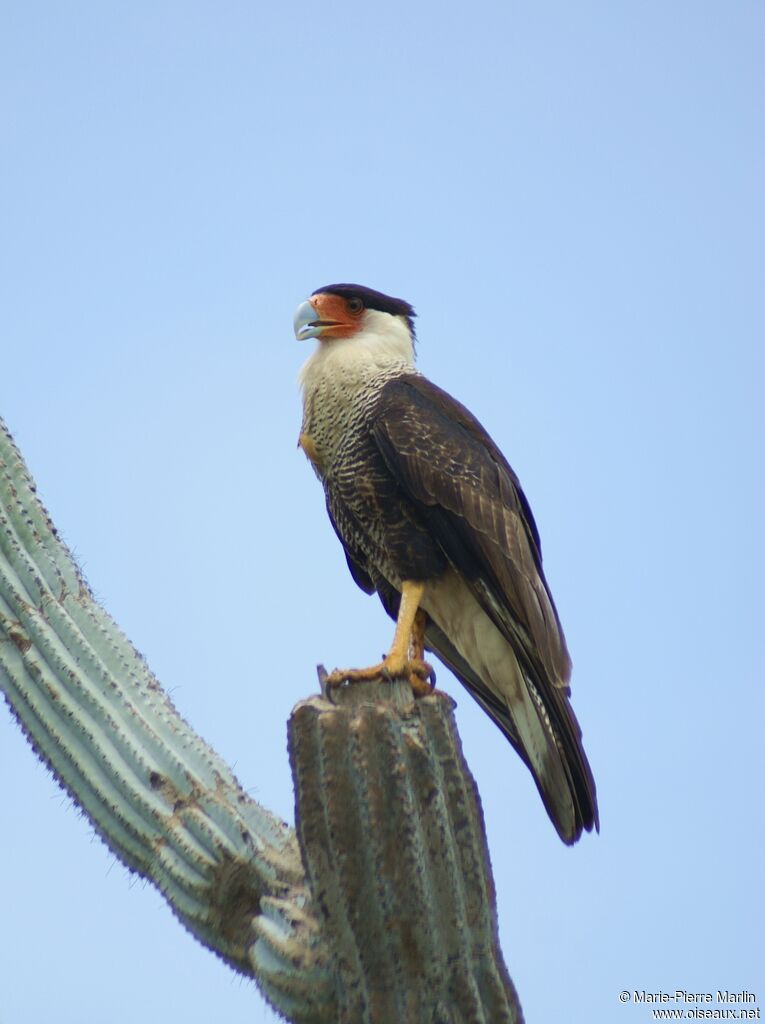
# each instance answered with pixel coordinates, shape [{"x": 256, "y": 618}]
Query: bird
[{"x": 433, "y": 519}]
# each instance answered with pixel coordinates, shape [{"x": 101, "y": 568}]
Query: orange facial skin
[{"x": 336, "y": 316}]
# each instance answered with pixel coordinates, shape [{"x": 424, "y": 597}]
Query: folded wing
[{"x": 463, "y": 488}]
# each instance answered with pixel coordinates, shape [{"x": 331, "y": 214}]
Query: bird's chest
[
  {"x": 336, "y": 420},
  {"x": 369, "y": 511}
]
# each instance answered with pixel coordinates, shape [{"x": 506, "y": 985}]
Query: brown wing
[
  {"x": 464, "y": 487},
  {"x": 471, "y": 500}
]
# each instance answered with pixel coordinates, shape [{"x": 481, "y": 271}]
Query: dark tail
[{"x": 558, "y": 762}]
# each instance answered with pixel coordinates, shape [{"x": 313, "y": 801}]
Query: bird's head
[{"x": 340, "y": 311}]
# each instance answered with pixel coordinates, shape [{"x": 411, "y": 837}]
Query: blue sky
[{"x": 571, "y": 196}]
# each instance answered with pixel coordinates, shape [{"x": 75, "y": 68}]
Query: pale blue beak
[{"x": 306, "y": 322}]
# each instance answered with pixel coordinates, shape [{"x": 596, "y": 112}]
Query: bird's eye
[{"x": 355, "y": 305}]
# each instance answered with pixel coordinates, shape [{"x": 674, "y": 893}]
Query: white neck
[{"x": 383, "y": 346}]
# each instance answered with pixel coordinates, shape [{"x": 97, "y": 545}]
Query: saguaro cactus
[{"x": 379, "y": 908}]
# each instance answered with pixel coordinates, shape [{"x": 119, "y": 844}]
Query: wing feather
[
  {"x": 462, "y": 486},
  {"x": 448, "y": 465}
]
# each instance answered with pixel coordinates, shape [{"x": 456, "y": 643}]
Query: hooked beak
[{"x": 307, "y": 322}]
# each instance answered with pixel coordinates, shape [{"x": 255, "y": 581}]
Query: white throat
[{"x": 382, "y": 348}]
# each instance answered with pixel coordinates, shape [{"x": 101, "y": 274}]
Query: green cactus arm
[
  {"x": 156, "y": 793},
  {"x": 380, "y": 907}
]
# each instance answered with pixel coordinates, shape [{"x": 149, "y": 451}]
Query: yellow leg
[
  {"x": 418, "y": 634},
  {"x": 397, "y": 662},
  {"x": 398, "y": 655}
]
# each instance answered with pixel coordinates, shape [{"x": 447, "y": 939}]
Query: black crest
[{"x": 373, "y": 300}]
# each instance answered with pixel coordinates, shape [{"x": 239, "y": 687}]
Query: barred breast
[{"x": 378, "y": 527}]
